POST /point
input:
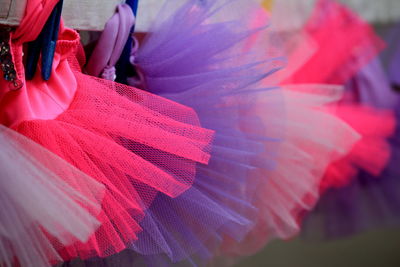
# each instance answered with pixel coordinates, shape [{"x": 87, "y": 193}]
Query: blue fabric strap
[{"x": 123, "y": 64}]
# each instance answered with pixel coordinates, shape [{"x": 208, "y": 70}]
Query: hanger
[
  {"x": 89, "y": 15},
  {"x": 45, "y": 44},
  {"x": 123, "y": 63}
]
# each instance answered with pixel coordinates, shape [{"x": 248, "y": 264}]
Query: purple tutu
[
  {"x": 181, "y": 60},
  {"x": 271, "y": 145}
]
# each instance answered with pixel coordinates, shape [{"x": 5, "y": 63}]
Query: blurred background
[{"x": 375, "y": 248}]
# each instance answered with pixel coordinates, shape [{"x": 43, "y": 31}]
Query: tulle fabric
[
  {"x": 309, "y": 140},
  {"x": 343, "y": 44},
  {"x": 371, "y": 200},
  {"x": 44, "y": 202},
  {"x": 281, "y": 193},
  {"x": 289, "y": 132},
  {"x": 134, "y": 143},
  {"x": 366, "y": 202},
  {"x": 263, "y": 169},
  {"x": 180, "y": 61},
  {"x": 348, "y": 47},
  {"x": 354, "y": 51},
  {"x": 371, "y": 86},
  {"x": 375, "y": 127},
  {"x": 313, "y": 138},
  {"x": 161, "y": 156},
  {"x": 271, "y": 149},
  {"x": 340, "y": 36}
]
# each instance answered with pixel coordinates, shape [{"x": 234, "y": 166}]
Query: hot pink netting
[
  {"x": 134, "y": 143},
  {"x": 344, "y": 43},
  {"x": 371, "y": 153}
]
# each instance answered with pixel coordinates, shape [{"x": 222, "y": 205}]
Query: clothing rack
[
  {"x": 93, "y": 14},
  {"x": 78, "y": 14}
]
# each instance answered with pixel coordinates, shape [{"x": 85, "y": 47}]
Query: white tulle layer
[
  {"x": 45, "y": 203},
  {"x": 312, "y": 138}
]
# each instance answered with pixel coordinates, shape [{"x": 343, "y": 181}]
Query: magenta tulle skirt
[
  {"x": 352, "y": 46},
  {"x": 135, "y": 144},
  {"x": 92, "y": 135},
  {"x": 371, "y": 200},
  {"x": 334, "y": 46}
]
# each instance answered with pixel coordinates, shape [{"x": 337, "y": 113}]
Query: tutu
[
  {"x": 201, "y": 56},
  {"x": 223, "y": 190},
  {"x": 330, "y": 17},
  {"x": 340, "y": 36},
  {"x": 343, "y": 44},
  {"x": 371, "y": 200},
  {"x": 44, "y": 201},
  {"x": 134, "y": 143},
  {"x": 374, "y": 125},
  {"x": 313, "y": 137}
]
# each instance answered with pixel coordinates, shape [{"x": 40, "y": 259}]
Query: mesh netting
[
  {"x": 43, "y": 198},
  {"x": 345, "y": 47},
  {"x": 312, "y": 138},
  {"x": 271, "y": 147},
  {"x": 365, "y": 203},
  {"x": 375, "y": 127},
  {"x": 371, "y": 198},
  {"x": 134, "y": 143},
  {"x": 344, "y": 44}
]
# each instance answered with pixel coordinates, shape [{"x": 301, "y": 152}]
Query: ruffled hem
[
  {"x": 134, "y": 143},
  {"x": 45, "y": 203}
]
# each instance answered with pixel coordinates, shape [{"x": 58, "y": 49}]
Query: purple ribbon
[{"x": 111, "y": 43}]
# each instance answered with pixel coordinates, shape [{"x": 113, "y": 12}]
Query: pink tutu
[
  {"x": 344, "y": 44},
  {"x": 371, "y": 153},
  {"x": 312, "y": 138},
  {"x": 318, "y": 133},
  {"x": 332, "y": 47},
  {"x": 134, "y": 143}
]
